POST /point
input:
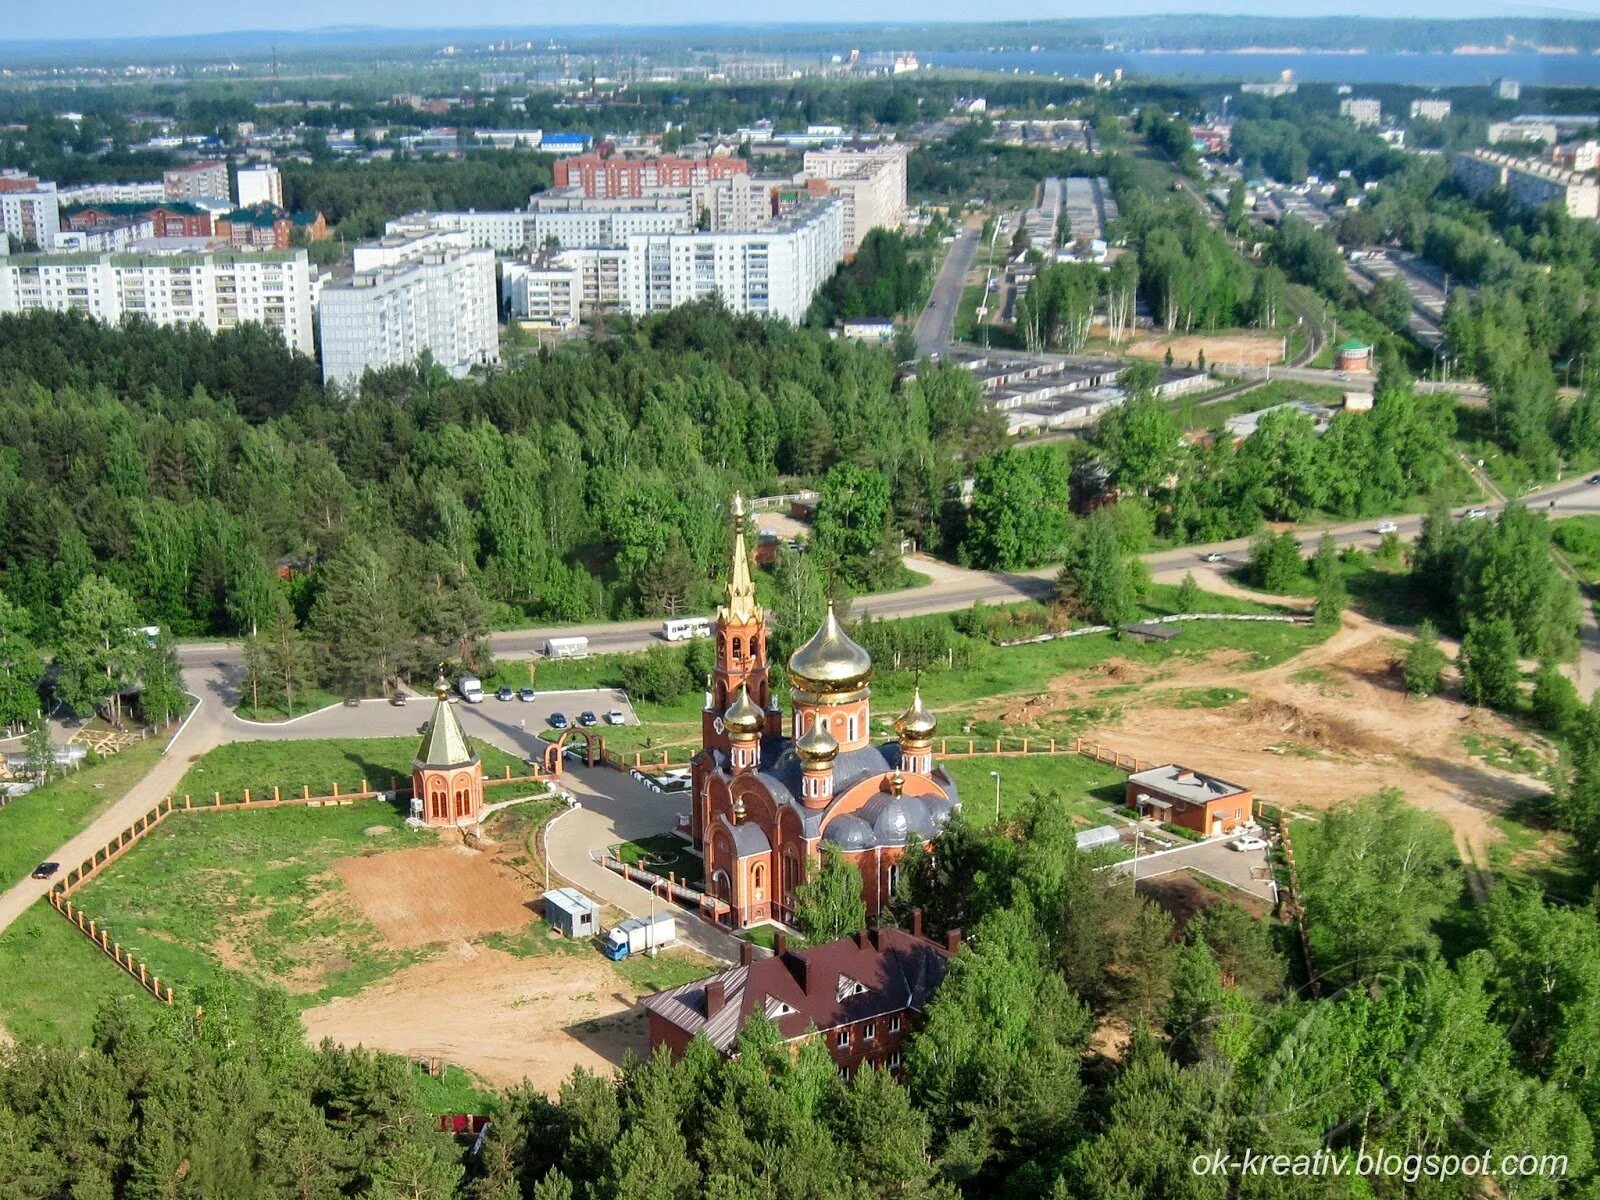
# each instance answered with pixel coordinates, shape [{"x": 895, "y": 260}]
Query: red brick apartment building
[
  {"x": 861, "y": 995},
  {"x": 176, "y": 219},
  {"x": 606, "y": 177}
]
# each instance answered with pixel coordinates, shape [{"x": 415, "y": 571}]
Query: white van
[{"x": 471, "y": 689}]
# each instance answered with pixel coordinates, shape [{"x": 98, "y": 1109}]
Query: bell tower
[{"x": 741, "y": 642}]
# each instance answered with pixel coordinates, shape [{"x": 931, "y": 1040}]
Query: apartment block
[
  {"x": 1530, "y": 183},
  {"x": 260, "y": 185},
  {"x": 871, "y": 183},
  {"x": 567, "y": 222},
  {"x": 202, "y": 180},
  {"x": 30, "y": 213},
  {"x": 1577, "y": 156},
  {"x": 1361, "y": 112},
  {"x": 1430, "y": 110},
  {"x": 732, "y": 203},
  {"x": 433, "y": 292},
  {"x": 170, "y": 282},
  {"x": 153, "y": 192},
  {"x": 773, "y": 270},
  {"x": 1523, "y": 131},
  {"x": 602, "y": 177},
  {"x": 545, "y": 291}
]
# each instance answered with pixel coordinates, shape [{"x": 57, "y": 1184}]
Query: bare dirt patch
[
  {"x": 1251, "y": 349},
  {"x": 1181, "y": 895},
  {"x": 501, "y": 1017},
  {"x": 432, "y": 894}
]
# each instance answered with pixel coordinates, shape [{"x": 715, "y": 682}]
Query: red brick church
[{"x": 768, "y": 794}]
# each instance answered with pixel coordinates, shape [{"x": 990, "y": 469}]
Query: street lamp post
[{"x": 995, "y": 775}]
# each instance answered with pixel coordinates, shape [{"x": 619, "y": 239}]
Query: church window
[
  {"x": 737, "y": 645},
  {"x": 894, "y": 876},
  {"x": 851, "y": 726}
]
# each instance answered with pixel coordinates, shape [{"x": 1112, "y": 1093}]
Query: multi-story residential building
[
  {"x": 602, "y": 177},
  {"x": 1507, "y": 89},
  {"x": 114, "y": 193},
  {"x": 567, "y": 222},
  {"x": 1430, "y": 110},
  {"x": 1522, "y": 131},
  {"x": 116, "y": 235},
  {"x": 1530, "y": 183},
  {"x": 1577, "y": 156},
  {"x": 1361, "y": 112},
  {"x": 30, "y": 212},
  {"x": 546, "y": 290},
  {"x": 773, "y": 270},
  {"x": 871, "y": 183},
  {"x": 862, "y": 996},
  {"x": 268, "y": 226},
  {"x": 170, "y": 282},
  {"x": 602, "y": 275},
  {"x": 202, "y": 179},
  {"x": 260, "y": 185},
  {"x": 179, "y": 219},
  {"x": 433, "y": 292},
  {"x": 731, "y": 203}
]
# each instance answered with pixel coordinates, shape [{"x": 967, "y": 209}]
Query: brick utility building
[
  {"x": 768, "y": 792},
  {"x": 604, "y": 177},
  {"x": 447, "y": 774},
  {"x": 861, "y": 995},
  {"x": 1178, "y": 796}
]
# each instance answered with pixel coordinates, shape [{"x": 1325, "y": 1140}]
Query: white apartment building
[
  {"x": 602, "y": 273},
  {"x": 32, "y": 217},
  {"x": 114, "y": 236},
  {"x": 545, "y": 291},
  {"x": 733, "y": 203},
  {"x": 114, "y": 193},
  {"x": 565, "y": 222},
  {"x": 170, "y": 281},
  {"x": 773, "y": 270},
  {"x": 578, "y": 227},
  {"x": 1430, "y": 110},
  {"x": 1361, "y": 112},
  {"x": 505, "y": 232},
  {"x": 208, "y": 180},
  {"x": 260, "y": 185},
  {"x": 433, "y": 292},
  {"x": 1529, "y": 182},
  {"x": 1522, "y": 131},
  {"x": 871, "y": 183}
]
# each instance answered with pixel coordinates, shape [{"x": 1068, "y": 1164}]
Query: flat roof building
[
  {"x": 1180, "y": 796},
  {"x": 1530, "y": 183},
  {"x": 203, "y": 179},
  {"x": 595, "y": 176},
  {"x": 870, "y": 182}
]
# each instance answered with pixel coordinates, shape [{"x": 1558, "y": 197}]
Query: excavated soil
[{"x": 433, "y": 894}]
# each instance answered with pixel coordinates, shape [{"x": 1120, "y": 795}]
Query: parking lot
[{"x": 1248, "y": 870}]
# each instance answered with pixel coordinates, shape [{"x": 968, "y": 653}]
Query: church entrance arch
[{"x": 594, "y": 749}]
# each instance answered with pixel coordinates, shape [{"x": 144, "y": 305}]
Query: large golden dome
[
  {"x": 831, "y": 661},
  {"x": 743, "y": 718},
  {"x": 917, "y": 725}
]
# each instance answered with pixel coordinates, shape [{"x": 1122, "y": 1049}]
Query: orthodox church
[{"x": 769, "y": 793}]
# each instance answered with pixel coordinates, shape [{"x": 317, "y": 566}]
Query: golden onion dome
[
  {"x": 816, "y": 747},
  {"x": 916, "y": 726},
  {"x": 831, "y": 661},
  {"x": 744, "y": 717}
]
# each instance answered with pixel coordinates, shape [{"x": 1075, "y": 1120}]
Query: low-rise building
[
  {"x": 177, "y": 219},
  {"x": 267, "y": 226},
  {"x": 1530, "y": 183},
  {"x": 1361, "y": 112},
  {"x": 1430, "y": 110},
  {"x": 170, "y": 281},
  {"x": 1177, "y": 795},
  {"x": 863, "y": 996},
  {"x": 435, "y": 292},
  {"x": 1522, "y": 131}
]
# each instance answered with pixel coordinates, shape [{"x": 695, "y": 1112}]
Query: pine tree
[
  {"x": 1490, "y": 675},
  {"x": 1196, "y": 1001}
]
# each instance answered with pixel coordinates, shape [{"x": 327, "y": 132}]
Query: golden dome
[
  {"x": 831, "y": 661},
  {"x": 744, "y": 719},
  {"x": 816, "y": 747},
  {"x": 916, "y": 726}
]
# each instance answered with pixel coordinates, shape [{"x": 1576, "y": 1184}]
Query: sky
[{"x": 119, "y": 18}]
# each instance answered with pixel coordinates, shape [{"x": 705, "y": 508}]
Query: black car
[
  {"x": 588, "y": 720},
  {"x": 46, "y": 869},
  {"x": 398, "y": 699},
  {"x": 559, "y": 721},
  {"x": 503, "y": 693}
]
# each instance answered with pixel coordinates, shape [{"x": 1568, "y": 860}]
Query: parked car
[
  {"x": 1214, "y": 557},
  {"x": 1594, "y": 479},
  {"x": 559, "y": 721},
  {"x": 398, "y": 699},
  {"x": 503, "y": 694},
  {"x": 615, "y": 717},
  {"x": 46, "y": 869},
  {"x": 525, "y": 695},
  {"x": 1477, "y": 514},
  {"x": 1249, "y": 841},
  {"x": 587, "y": 719},
  {"x": 352, "y": 701},
  {"x": 1388, "y": 527}
]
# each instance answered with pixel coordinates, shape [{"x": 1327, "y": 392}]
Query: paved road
[
  {"x": 1216, "y": 858},
  {"x": 936, "y": 326}
]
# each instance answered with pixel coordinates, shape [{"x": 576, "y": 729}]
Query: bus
[
  {"x": 681, "y": 629},
  {"x": 566, "y": 647}
]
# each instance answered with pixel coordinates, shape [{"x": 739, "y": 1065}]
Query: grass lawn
[
  {"x": 272, "y": 708},
  {"x": 663, "y": 853},
  {"x": 454, "y": 1091},
  {"x": 253, "y": 891},
  {"x": 1531, "y": 854},
  {"x": 55, "y": 981},
  {"x": 1082, "y": 785},
  {"x": 317, "y": 763},
  {"x": 1193, "y": 415},
  {"x": 34, "y": 826},
  {"x": 666, "y": 970}
]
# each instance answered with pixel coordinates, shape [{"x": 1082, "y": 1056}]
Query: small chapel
[
  {"x": 768, "y": 793},
  {"x": 447, "y": 774}
]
